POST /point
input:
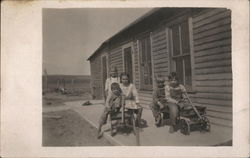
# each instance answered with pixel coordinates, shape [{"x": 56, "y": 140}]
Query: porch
[{"x": 151, "y": 135}]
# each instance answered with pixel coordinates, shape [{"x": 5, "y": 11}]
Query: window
[
  {"x": 145, "y": 64},
  {"x": 180, "y": 57}
]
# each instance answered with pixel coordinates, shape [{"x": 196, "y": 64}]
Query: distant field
[{"x": 79, "y": 84}]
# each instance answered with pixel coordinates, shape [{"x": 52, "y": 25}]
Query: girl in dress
[{"x": 131, "y": 96}]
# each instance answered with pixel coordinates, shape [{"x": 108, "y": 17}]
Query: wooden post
[
  {"x": 137, "y": 135},
  {"x": 72, "y": 85},
  {"x": 63, "y": 80},
  {"x": 46, "y": 80},
  {"x": 58, "y": 84},
  {"x": 137, "y": 132}
]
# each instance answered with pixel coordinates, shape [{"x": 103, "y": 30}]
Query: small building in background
[{"x": 194, "y": 42}]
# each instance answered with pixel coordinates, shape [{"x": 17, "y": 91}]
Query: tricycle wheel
[
  {"x": 205, "y": 124},
  {"x": 185, "y": 128}
]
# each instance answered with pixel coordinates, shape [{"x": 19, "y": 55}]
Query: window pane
[
  {"x": 188, "y": 74},
  {"x": 179, "y": 69},
  {"x": 176, "y": 40},
  {"x": 185, "y": 38}
]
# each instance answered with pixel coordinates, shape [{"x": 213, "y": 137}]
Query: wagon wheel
[
  {"x": 185, "y": 128},
  {"x": 205, "y": 124}
]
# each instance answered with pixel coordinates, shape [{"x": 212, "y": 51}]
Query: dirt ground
[
  {"x": 67, "y": 128},
  {"x": 56, "y": 99}
]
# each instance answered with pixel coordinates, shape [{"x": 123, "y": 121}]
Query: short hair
[
  {"x": 173, "y": 75},
  {"x": 116, "y": 86},
  {"x": 124, "y": 74}
]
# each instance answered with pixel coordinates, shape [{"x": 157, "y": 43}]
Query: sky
[{"x": 70, "y": 36}]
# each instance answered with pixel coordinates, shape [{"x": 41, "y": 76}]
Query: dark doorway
[{"x": 128, "y": 68}]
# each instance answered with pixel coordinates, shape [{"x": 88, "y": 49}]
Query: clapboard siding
[
  {"x": 212, "y": 70},
  {"x": 226, "y": 62},
  {"x": 213, "y": 31},
  {"x": 209, "y": 39},
  {"x": 96, "y": 77},
  {"x": 116, "y": 58},
  {"x": 136, "y": 64},
  {"x": 212, "y": 51},
  {"x": 224, "y": 83},
  {"x": 160, "y": 52},
  {"x": 214, "y": 89},
  {"x": 212, "y": 44},
  {"x": 213, "y": 57},
  {"x": 212, "y": 60},
  {"x": 211, "y": 19}
]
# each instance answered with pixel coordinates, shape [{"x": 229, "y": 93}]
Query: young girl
[{"x": 131, "y": 96}]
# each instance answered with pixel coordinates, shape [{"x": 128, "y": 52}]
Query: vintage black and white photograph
[{"x": 136, "y": 77}]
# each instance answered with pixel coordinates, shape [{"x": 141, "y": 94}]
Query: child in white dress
[{"x": 131, "y": 96}]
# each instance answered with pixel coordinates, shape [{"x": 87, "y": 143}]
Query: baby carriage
[{"x": 190, "y": 118}]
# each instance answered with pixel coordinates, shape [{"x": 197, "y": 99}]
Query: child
[
  {"x": 131, "y": 97},
  {"x": 159, "y": 100},
  {"x": 175, "y": 94},
  {"x": 113, "y": 103}
]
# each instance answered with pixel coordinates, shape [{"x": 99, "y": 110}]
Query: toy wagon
[
  {"x": 190, "y": 119},
  {"x": 124, "y": 118},
  {"x": 193, "y": 119}
]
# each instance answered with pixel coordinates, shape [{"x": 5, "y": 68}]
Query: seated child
[
  {"x": 159, "y": 100},
  {"x": 113, "y": 103},
  {"x": 175, "y": 94}
]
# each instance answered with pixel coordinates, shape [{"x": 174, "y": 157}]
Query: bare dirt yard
[{"x": 66, "y": 127}]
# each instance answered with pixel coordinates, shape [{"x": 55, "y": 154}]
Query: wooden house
[{"x": 194, "y": 42}]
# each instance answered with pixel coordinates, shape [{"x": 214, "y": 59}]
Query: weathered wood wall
[
  {"x": 136, "y": 64},
  {"x": 96, "y": 77},
  {"x": 115, "y": 58},
  {"x": 212, "y": 57},
  {"x": 212, "y": 63},
  {"x": 160, "y": 52}
]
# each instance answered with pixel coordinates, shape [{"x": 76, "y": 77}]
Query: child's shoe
[
  {"x": 158, "y": 120},
  {"x": 99, "y": 135}
]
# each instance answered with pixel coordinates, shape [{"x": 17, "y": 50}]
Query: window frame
[
  {"x": 142, "y": 37},
  {"x": 172, "y": 64},
  {"x": 124, "y": 46}
]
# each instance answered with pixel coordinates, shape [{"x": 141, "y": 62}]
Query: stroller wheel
[
  {"x": 185, "y": 128},
  {"x": 205, "y": 124}
]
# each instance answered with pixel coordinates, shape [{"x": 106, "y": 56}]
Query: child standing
[{"x": 113, "y": 103}]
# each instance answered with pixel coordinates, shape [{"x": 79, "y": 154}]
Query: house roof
[
  {"x": 150, "y": 15},
  {"x": 124, "y": 29}
]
